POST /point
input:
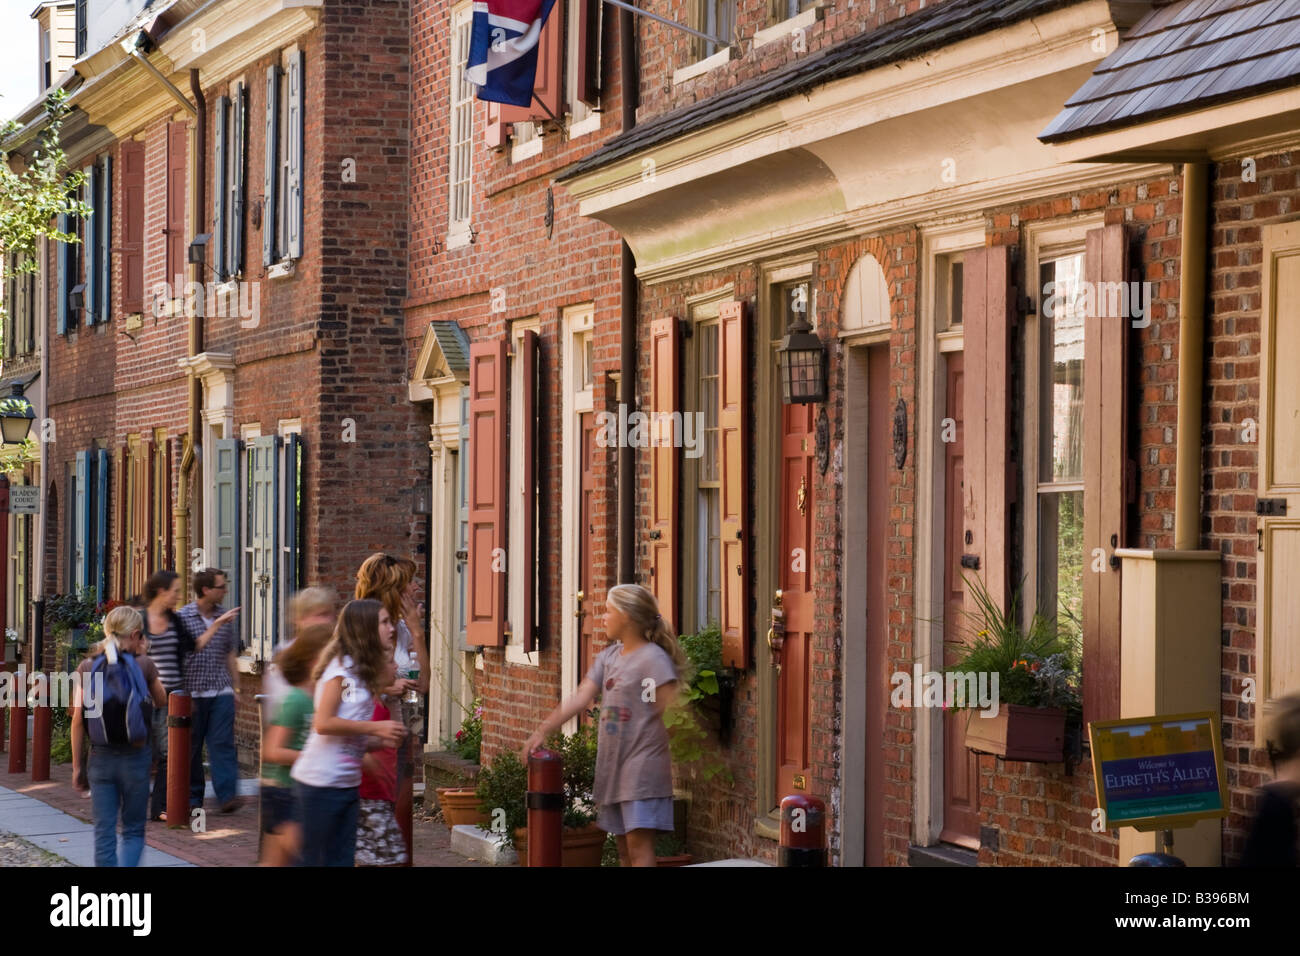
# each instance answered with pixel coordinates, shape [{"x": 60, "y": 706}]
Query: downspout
[
  {"x": 1191, "y": 355},
  {"x": 190, "y": 448},
  {"x": 38, "y": 605},
  {"x": 629, "y": 90}
]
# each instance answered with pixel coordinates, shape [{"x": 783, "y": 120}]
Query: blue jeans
[
  {"x": 329, "y": 824},
  {"x": 158, "y": 801},
  {"x": 119, "y": 784},
  {"x": 214, "y": 723}
]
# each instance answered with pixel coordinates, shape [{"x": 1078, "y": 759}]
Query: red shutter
[
  {"x": 496, "y": 134},
  {"x": 123, "y": 560},
  {"x": 588, "y": 70},
  {"x": 485, "y": 587},
  {"x": 1105, "y": 452},
  {"x": 665, "y": 386},
  {"x": 528, "y": 358},
  {"x": 733, "y": 452},
  {"x": 177, "y": 137},
  {"x": 132, "y": 253},
  {"x": 987, "y": 301},
  {"x": 548, "y": 86}
]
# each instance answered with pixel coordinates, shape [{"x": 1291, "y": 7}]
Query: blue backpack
[{"x": 125, "y": 711}]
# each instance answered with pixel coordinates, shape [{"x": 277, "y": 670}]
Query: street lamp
[
  {"x": 16, "y": 416},
  {"x": 803, "y": 364}
]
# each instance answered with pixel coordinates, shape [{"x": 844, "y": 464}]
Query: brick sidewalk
[{"x": 231, "y": 838}]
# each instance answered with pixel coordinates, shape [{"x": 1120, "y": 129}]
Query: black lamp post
[
  {"x": 16, "y": 417},
  {"x": 803, "y": 364}
]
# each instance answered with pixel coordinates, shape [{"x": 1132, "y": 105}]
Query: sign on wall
[
  {"x": 1154, "y": 773},
  {"x": 24, "y": 499}
]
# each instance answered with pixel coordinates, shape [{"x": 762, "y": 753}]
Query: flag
[{"x": 503, "y": 49}]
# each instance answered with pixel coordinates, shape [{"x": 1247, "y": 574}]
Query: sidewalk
[{"x": 55, "y": 817}]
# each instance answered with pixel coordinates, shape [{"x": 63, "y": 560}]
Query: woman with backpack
[{"x": 113, "y": 703}]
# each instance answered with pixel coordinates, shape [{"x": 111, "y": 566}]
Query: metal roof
[
  {"x": 903, "y": 39},
  {"x": 1185, "y": 55},
  {"x": 454, "y": 344}
]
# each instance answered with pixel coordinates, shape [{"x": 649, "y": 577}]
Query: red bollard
[
  {"x": 4, "y": 739},
  {"x": 803, "y": 831},
  {"x": 41, "y": 731},
  {"x": 18, "y": 724},
  {"x": 545, "y": 804},
  {"x": 180, "y": 709}
]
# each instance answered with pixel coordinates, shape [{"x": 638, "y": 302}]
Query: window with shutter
[
  {"x": 527, "y": 357},
  {"x": 104, "y": 240},
  {"x": 70, "y": 531},
  {"x": 294, "y": 150},
  {"x": 291, "y": 568},
  {"x": 487, "y": 493},
  {"x": 271, "y": 168},
  {"x": 585, "y": 57},
  {"x": 237, "y": 177},
  {"x": 90, "y": 306},
  {"x": 177, "y": 142},
  {"x": 132, "y": 249},
  {"x": 986, "y": 313},
  {"x": 732, "y": 443},
  {"x": 220, "y": 117},
  {"x": 461, "y": 151},
  {"x": 81, "y": 508},
  {"x": 122, "y": 490},
  {"x": 665, "y": 465},
  {"x": 64, "y": 279}
]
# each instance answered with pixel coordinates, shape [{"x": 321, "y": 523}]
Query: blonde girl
[
  {"x": 636, "y": 679},
  {"x": 350, "y": 673},
  {"x": 118, "y": 775}
]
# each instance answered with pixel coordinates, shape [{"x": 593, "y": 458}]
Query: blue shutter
[
  {"x": 101, "y": 525},
  {"x": 271, "y": 165},
  {"x": 239, "y": 147},
  {"x": 292, "y": 492},
  {"x": 219, "y": 189},
  {"x": 90, "y": 247},
  {"x": 226, "y": 502},
  {"x": 61, "y": 261},
  {"x": 293, "y": 202},
  {"x": 105, "y": 232},
  {"x": 81, "y": 552},
  {"x": 263, "y": 542}
]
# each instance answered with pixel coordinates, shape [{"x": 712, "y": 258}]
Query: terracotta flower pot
[
  {"x": 460, "y": 805},
  {"x": 1016, "y": 732},
  {"x": 581, "y": 847}
]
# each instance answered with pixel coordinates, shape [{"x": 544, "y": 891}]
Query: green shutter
[
  {"x": 271, "y": 165},
  {"x": 226, "y": 502},
  {"x": 90, "y": 247},
  {"x": 81, "y": 552},
  {"x": 293, "y": 201},
  {"x": 219, "y": 188},
  {"x": 105, "y": 243},
  {"x": 263, "y": 543}
]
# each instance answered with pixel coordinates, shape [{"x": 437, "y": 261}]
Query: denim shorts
[
  {"x": 278, "y": 807},
  {"x": 619, "y": 818}
]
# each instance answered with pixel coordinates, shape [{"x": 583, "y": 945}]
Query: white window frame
[
  {"x": 583, "y": 119},
  {"x": 578, "y": 323},
  {"x": 518, "y": 564},
  {"x": 459, "y": 228}
]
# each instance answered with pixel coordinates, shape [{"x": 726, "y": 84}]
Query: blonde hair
[
  {"x": 310, "y": 602},
  {"x": 639, "y": 606},
  {"x": 384, "y": 578},
  {"x": 120, "y": 622}
]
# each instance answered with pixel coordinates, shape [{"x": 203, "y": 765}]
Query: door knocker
[{"x": 801, "y": 499}]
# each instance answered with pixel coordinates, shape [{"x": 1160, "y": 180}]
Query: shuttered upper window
[
  {"x": 229, "y": 171},
  {"x": 460, "y": 161},
  {"x": 283, "y": 173},
  {"x": 20, "y": 305}
]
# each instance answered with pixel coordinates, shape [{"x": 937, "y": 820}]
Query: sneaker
[{"x": 230, "y": 806}]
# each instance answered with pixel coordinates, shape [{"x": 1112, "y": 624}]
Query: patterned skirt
[{"x": 379, "y": 838}]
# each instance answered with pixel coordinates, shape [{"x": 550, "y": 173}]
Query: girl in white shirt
[{"x": 351, "y": 670}]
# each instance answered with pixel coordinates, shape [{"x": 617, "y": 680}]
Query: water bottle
[{"x": 413, "y": 693}]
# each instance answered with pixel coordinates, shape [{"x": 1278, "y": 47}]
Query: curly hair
[
  {"x": 384, "y": 578},
  {"x": 357, "y": 636}
]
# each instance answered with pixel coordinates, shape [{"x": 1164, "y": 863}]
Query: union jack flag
[{"x": 503, "y": 49}]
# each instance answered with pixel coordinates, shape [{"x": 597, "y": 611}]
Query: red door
[
  {"x": 586, "y": 498},
  {"x": 796, "y": 508},
  {"x": 960, "y": 766}
]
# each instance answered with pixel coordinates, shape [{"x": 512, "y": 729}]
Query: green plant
[
  {"x": 468, "y": 741},
  {"x": 1037, "y": 666},
  {"x": 669, "y": 843},
  {"x": 688, "y": 741},
  {"x": 501, "y": 789},
  {"x": 578, "y": 751},
  {"x": 60, "y": 736}
]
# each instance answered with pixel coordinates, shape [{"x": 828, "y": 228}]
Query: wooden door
[
  {"x": 586, "y": 629},
  {"x": 796, "y": 510},
  {"x": 960, "y": 766},
  {"x": 1278, "y": 503}
]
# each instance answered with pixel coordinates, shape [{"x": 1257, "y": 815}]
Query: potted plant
[
  {"x": 670, "y": 850},
  {"x": 693, "y": 754},
  {"x": 503, "y": 786},
  {"x": 1037, "y": 675},
  {"x": 457, "y": 768}
]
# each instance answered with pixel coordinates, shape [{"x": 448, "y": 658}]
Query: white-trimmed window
[
  {"x": 519, "y": 563},
  {"x": 702, "y": 475},
  {"x": 717, "y": 18},
  {"x": 582, "y": 118},
  {"x": 283, "y": 171},
  {"x": 461, "y": 154}
]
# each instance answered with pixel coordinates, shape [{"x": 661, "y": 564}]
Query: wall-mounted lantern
[{"x": 803, "y": 364}]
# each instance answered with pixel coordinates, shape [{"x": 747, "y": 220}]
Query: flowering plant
[
  {"x": 469, "y": 739},
  {"x": 11, "y": 635}
]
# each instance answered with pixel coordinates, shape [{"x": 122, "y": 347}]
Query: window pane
[
  {"x": 1061, "y": 372},
  {"x": 1060, "y": 560},
  {"x": 710, "y": 530},
  {"x": 709, "y": 400}
]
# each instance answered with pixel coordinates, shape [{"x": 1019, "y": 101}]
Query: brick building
[{"x": 225, "y": 347}]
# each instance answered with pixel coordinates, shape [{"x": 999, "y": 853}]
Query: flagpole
[{"x": 671, "y": 23}]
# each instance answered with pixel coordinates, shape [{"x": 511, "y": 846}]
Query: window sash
[{"x": 462, "y": 120}]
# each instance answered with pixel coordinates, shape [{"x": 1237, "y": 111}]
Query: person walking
[
  {"x": 212, "y": 678},
  {"x": 117, "y": 687},
  {"x": 349, "y": 673},
  {"x": 636, "y": 678},
  {"x": 169, "y": 644},
  {"x": 1274, "y": 838}
]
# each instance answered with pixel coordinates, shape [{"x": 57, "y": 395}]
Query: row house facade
[
  {"x": 919, "y": 178},
  {"x": 223, "y": 348}
]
